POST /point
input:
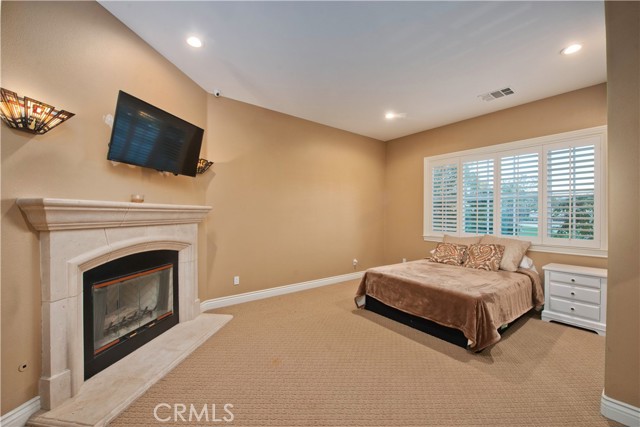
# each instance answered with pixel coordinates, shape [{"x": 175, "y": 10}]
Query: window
[
  {"x": 477, "y": 196},
  {"x": 571, "y": 193},
  {"x": 444, "y": 189},
  {"x": 548, "y": 190},
  {"x": 519, "y": 194}
]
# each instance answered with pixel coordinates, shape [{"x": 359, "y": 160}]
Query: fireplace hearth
[{"x": 128, "y": 302}]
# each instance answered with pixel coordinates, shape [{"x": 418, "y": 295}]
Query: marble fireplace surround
[{"x": 77, "y": 235}]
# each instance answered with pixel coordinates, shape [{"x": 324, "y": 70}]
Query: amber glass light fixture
[
  {"x": 203, "y": 165},
  {"x": 28, "y": 114}
]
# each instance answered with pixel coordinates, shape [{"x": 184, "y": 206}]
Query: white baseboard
[
  {"x": 280, "y": 290},
  {"x": 619, "y": 411},
  {"x": 20, "y": 415}
]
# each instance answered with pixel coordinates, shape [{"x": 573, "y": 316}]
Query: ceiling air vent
[{"x": 496, "y": 94}]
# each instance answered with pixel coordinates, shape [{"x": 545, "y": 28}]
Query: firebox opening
[{"x": 127, "y": 303}]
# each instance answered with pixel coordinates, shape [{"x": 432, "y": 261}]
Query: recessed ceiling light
[
  {"x": 571, "y": 49},
  {"x": 194, "y": 41},
  {"x": 391, "y": 115}
]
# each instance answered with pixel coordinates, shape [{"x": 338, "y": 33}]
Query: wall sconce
[
  {"x": 203, "y": 165},
  {"x": 28, "y": 114}
]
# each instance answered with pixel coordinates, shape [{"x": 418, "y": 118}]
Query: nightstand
[{"x": 576, "y": 296}]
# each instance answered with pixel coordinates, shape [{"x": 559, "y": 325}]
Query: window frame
[{"x": 542, "y": 243}]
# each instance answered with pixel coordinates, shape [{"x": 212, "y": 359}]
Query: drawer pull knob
[
  {"x": 572, "y": 309},
  {"x": 573, "y": 280},
  {"x": 573, "y": 293}
]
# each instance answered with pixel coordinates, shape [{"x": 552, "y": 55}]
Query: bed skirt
[{"x": 451, "y": 335}]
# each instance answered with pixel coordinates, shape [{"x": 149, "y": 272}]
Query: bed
[{"x": 477, "y": 303}]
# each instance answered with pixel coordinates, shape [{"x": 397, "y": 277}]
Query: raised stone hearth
[
  {"x": 77, "y": 235},
  {"x": 104, "y": 396}
]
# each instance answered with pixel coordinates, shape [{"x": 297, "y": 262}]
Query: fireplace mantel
[
  {"x": 77, "y": 235},
  {"x": 48, "y": 214}
]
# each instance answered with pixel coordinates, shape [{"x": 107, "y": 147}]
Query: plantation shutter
[
  {"x": 477, "y": 196},
  {"x": 571, "y": 190},
  {"x": 444, "y": 201},
  {"x": 519, "y": 187}
]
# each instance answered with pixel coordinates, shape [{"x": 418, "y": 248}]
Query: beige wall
[
  {"x": 405, "y": 162},
  {"x": 622, "y": 357},
  {"x": 292, "y": 200},
  {"x": 73, "y": 55}
]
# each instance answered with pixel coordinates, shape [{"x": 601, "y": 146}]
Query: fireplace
[
  {"x": 127, "y": 302},
  {"x": 77, "y": 236}
]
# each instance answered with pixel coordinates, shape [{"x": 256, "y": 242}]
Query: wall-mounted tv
[{"x": 147, "y": 136}]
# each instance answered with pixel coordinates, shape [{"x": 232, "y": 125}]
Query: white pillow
[
  {"x": 514, "y": 250},
  {"x": 526, "y": 263}
]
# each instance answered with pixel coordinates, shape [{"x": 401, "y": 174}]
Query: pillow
[
  {"x": 484, "y": 256},
  {"x": 461, "y": 240},
  {"x": 449, "y": 253},
  {"x": 526, "y": 263},
  {"x": 514, "y": 250}
]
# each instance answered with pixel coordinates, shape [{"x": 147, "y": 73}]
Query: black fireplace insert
[{"x": 127, "y": 302}]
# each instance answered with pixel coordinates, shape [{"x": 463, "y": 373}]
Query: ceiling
[{"x": 346, "y": 64}]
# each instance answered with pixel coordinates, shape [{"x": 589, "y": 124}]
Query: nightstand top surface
[{"x": 576, "y": 269}]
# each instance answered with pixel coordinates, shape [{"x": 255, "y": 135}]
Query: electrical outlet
[
  {"x": 236, "y": 280},
  {"x": 355, "y": 263},
  {"x": 404, "y": 260}
]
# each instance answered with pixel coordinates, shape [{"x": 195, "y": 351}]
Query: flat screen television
[{"x": 144, "y": 135}]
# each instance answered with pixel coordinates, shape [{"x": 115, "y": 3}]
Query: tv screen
[{"x": 147, "y": 136}]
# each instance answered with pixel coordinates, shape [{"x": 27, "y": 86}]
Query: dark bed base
[{"x": 452, "y": 335}]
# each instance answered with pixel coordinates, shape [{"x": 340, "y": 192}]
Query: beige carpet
[{"x": 312, "y": 359}]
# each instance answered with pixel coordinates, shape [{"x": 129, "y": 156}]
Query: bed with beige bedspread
[{"x": 476, "y": 302}]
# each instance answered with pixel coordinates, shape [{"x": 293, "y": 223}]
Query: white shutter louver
[
  {"x": 477, "y": 196},
  {"x": 519, "y": 184},
  {"x": 571, "y": 189},
  {"x": 444, "y": 201}
]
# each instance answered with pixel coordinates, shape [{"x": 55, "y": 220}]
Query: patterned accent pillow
[
  {"x": 449, "y": 253},
  {"x": 484, "y": 257}
]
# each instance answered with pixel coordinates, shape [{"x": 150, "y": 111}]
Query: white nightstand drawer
[
  {"x": 575, "y": 279},
  {"x": 575, "y": 308},
  {"x": 575, "y": 293}
]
